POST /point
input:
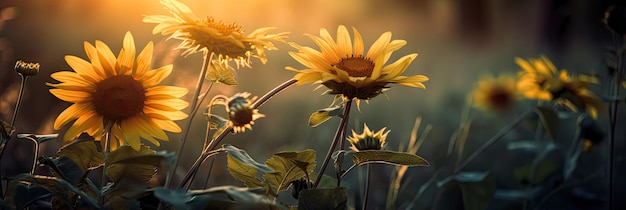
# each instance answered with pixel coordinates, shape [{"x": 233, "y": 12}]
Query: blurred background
[{"x": 457, "y": 42}]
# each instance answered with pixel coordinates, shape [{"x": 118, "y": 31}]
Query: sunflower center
[
  {"x": 119, "y": 97},
  {"x": 223, "y": 28},
  {"x": 500, "y": 99},
  {"x": 356, "y": 66},
  {"x": 241, "y": 116}
]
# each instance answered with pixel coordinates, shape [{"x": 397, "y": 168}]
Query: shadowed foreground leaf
[
  {"x": 289, "y": 167},
  {"x": 64, "y": 168},
  {"x": 84, "y": 152},
  {"x": 320, "y": 198},
  {"x": 139, "y": 172},
  {"x": 26, "y": 194},
  {"x": 58, "y": 187},
  {"x": 222, "y": 197},
  {"x": 477, "y": 187}
]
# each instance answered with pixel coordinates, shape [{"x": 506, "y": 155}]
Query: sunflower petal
[
  {"x": 126, "y": 57},
  {"x": 154, "y": 77},
  {"x": 71, "y": 96}
]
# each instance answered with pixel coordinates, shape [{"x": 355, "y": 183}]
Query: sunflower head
[
  {"x": 226, "y": 41},
  {"x": 345, "y": 68},
  {"x": 119, "y": 94},
  {"x": 536, "y": 78},
  {"x": 496, "y": 94},
  {"x": 26, "y": 69},
  {"x": 241, "y": 114},
  {"x": 368, "y": 140},
  {"x": 574, "y": 93}
]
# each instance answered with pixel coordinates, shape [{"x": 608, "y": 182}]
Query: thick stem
[
  {"x": 192, "y": 111},
  {"x": 336, "y": 139},
  {"x": 105, "y": 153},
  {"x": 367, "y": 186},
  {"x": 492, "y": 140},
  {"x": 339, "y": 163}
]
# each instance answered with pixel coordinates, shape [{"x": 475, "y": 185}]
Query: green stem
[
  {"x": 336, "y": 139},
  {"x": 492, "y": 140},
  {"x": 192, "y": 111},
  {"x": 105, "y": 153},
  {"x": 205, "y": 153},
  {"x": 367, "y": 185},
  {"x": 36, "y": 154},
  {"x": 19, "y": 99},
  {"x": 613, "y": 108}
]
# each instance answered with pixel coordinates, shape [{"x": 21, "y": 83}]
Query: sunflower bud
[
  {"x": 241, "y": 113},
  {"x": 26, "y": 69},
  {"x": 368, "y": 140}
]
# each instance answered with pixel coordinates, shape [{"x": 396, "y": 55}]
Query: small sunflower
[
  {"x": 241, "y": 114},
  {"x": 226, "y": 41},
  {"x": 368, "y": 140},
  {"x": 495, "y": 94},
  {"x": 120, "y": 92},
  {"x": 536, "y": 78},
  {"x": 27, "y": 69},
  {"x": 345, "y": 69},
  {"x": 541, "y": 80}
]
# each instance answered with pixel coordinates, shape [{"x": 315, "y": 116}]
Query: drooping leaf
[
  {"x": 84, "y": 152},
  {"x": 549, "y": 119},
  {"x": 139, "y": 172},
  {"x": 287, "y": 168},
  {"x": 26, "y": 194},
  {"x": 178, "y": 199},
  {"x": 242, "y": 167},
  {"x": 387, "y": 157},
  {"x": 245, "y": 198},
  {"x": 323, "y": 198},
  {"x": 6, "y": 130},
  {"x": 58, "y": 187},
  {"x": 158, "y": 159},
  {"x": 64, "y": 168},
  {"x": 220, "y": 72},
  {"x": 477, "y": 187},
  {"x": 323, "y": 115},
  {"x": 39, "y": 138}
]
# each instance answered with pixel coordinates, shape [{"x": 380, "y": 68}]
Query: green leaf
[
  {"x": 387, "y": 157},
  {"x": 245, "y": 198},
  {"x": 323, "y": 115},
  {"x": 220, "y": 72},
  {"x": 64, "y": 168},
  {"x": 216, "y": 123},
  {"x": 320, "y": 198},
  {"x": 84, "y": 152},
  {"x": 477, "y": 187},
  {"x": 158, "y": 159},
  {"x": 139, "y": 172},
  {"x": 6, "y": 130},
  {"x": 288, "y": 167},
  {"x": 243, "y": 168},
  {"x": 550, "y": 120},
  {"x": 39, "y": 138},
  {"x": 178, "y": 199},
  {"x": 26, "y": 194},
  {"x": 58, "y": 187}
]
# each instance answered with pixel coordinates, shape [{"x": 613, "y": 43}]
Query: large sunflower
[
  {"x": 343, "y": 66},
  {"x": 120, "y": 92},
  {"x": 226, "y": 41},
  {"x": 536, "y": 78}
]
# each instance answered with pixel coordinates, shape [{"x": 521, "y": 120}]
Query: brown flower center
[
  {"x": 119, "y": 97},
  {"x": 241, "y": 116},
  {"x": 356, "y": 66},
  {"x": 500, "y": 99},
  {"x": 221, "y": 45}
]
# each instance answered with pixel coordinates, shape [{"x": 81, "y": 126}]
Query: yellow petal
[
  {"x": 130, "y": 130},
  {"x": 83, "y": 68},
  {"x": 168, "y": 125},
  {"x": 144, "y": 60},
  {"x": 68, "y": 76},
  {"x": 154, "y": 77},
  {"x": 168, "y": 105},
  {"x": 358, "y": 43},
  {"x": 89, "y": 120},
  {"x": 72, "y": 96},
  {"x": 72, "y": 112},
  {"x": 378, "y": 48},
  {"x": 126, "y": 57},
  {"x": 107, "y": 59},
  {"x": 397, "y": 68},
  {"x": 92, "y": 54},
  {"x": 166, "y": 90},
  {"x": 344, "y": 43}
]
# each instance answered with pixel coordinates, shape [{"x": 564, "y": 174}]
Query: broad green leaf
[
  {"x": 220, "y": 72},
  {"x": 323, "y": 115},
  {"x": 287, "y": 168},
  {"x": 387, "y": 157},
  {"x": 550, "y": 120},
  {"x": 245, "y": 198},
  {"x": 39, "y": 138},
  {"x": 321, "y": 198},
  {"x": 242, "y": 167},
  {"x": 178, "y": 199},
  {"x": 139, "y": 172},
  {"x": 59, "y": 187},
  {"x": 64, "y": 168},
  {"x": 26, "y": 194},
  {"x": 477, "y": 187},
  {"x": 6, "y": 130},
  {"x": 84, "y": 152}
]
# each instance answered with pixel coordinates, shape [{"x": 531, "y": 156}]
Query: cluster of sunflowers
[{"x": 117, "y": 102}]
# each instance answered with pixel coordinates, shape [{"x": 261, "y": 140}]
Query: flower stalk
[{"x": 339, "y": 136}]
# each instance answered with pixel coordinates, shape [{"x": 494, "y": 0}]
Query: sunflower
[
  {"x": 345, "y": 69},
  {"x": 541, "y": 80},
  {"x": 226, "y": 41},
  {"x": 495, "y": 94},
  {"x": 536, "y": 78},
  {"x": 368, "y": 140},
  {"x": 119, "y": 92},
  {"x": 241, "y": 114}
]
